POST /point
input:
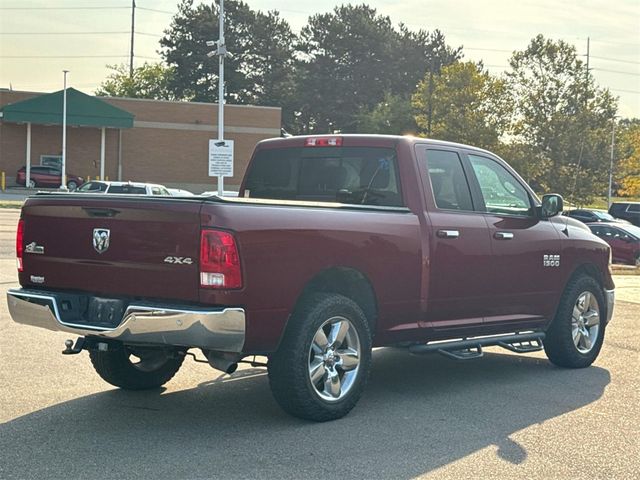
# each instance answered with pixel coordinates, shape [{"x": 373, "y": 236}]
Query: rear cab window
[
  {"x": 351, "y": 175},
  {"x": 448, "y": 180}
]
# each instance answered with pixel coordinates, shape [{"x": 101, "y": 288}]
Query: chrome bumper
[
  {"x": 220, "y": 330},
  {"x": 610, "y": 296}
]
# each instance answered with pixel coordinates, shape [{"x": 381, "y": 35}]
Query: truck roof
[{"x": 355, "y": 140}]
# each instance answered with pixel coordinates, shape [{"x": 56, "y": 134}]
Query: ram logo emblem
[
  {"x": 551, "y": 260},
  {"x": 101, "y": 239}
]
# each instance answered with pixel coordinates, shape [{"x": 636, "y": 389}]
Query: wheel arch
[
  {"x": 590, "y": 270},
  {"x": 349, "y": 282}
]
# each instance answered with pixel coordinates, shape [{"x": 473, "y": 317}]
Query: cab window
[
  {"x": 501, "y": 191},
  {"x": 448, "y": 181}
]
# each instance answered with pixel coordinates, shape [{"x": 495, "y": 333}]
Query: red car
[
  {"x": 624, "y": 241},
  {"x": 43, "y": 176}
]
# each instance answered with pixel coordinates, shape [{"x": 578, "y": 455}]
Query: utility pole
[
  {"x": 430, "y": 105},
  {"x": 63, "y": 177},
  {"x": 221, "y": 52},
  {"x": 133, "y": 28},
  {"x": 613, "y": 136},
  {"x": 586, "y": 80}
]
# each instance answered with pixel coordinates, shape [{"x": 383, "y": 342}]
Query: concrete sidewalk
[{"x": 627, "y": 288}]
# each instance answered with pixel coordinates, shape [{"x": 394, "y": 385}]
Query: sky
[{"x": 40, "y": 38}]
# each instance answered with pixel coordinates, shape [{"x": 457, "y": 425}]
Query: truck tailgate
[{"x": 113, "y": 246}]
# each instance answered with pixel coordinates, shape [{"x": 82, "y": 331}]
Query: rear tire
[
  {"x": 575, "y": 337},
  {"x": 155, "y": 367},
  {"x": 72, "y": 185},
  {"x": 322, "y": 365}
]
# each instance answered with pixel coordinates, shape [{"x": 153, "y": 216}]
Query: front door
[{"x": 525, "y": 250}]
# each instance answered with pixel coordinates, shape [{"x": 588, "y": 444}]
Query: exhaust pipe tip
[{"x": 227, "y": 363}]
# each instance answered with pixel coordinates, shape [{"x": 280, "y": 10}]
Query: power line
[
  {"x": 616, "y": 60},
  {"x": 81, "y": 33},
  {"x": 155, "y": 10},
  {"x": 488, "y": 49},
  {"x": 63, "y": 33},
  {"x": 76, "y": 56},
  {"x": 616, "y": 71},
  {"x": 66, "y": 8},
  {"x": 625, "y": 91}
]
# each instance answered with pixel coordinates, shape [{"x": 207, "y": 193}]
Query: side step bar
[{"x": 469, "y": 348}]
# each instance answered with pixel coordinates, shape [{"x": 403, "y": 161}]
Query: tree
[
  {"x": 349, "y": 59},
  {"x": 392, "y": 116},
  {"x": 260, "y": 70},
  {"x": 151, "y": 80},
  {"x": 627, "y": 171},
  {"x": 463, "y": 104},
  {"x": 560, "y": 111}
]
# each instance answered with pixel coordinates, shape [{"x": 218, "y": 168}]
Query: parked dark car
[
  {"x": 591, "y": 216},
  {"x": 627, "y": 211},
  {"x": 44, "y": 176},
  {"x": 623, "y": 239}
]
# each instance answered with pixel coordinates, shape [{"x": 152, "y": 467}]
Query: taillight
[
  {"x": 323, "y": 142},
  {"x": 219, "y": 260},
  {"x": 20, "y": 244}
]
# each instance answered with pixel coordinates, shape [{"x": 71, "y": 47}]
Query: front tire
[
  {"x": 576, "y": 334},
  {"x": 322, "y": 365},
  {"x": 135, "y": 369}
]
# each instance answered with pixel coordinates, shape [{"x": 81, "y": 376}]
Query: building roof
[{"x": 82, "y": 111}]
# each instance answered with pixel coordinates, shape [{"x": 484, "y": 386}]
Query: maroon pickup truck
[{"x": 335, "y": 245}]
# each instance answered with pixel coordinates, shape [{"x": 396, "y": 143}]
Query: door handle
[
  {"x": 503, "y": 235},
  {"x": 448, "y": 233}
]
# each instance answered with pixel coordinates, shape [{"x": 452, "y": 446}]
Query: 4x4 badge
[{"x": 101, "y": 239}]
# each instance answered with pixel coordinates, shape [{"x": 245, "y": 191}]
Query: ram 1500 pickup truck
[{"x": 335, "y": 245}]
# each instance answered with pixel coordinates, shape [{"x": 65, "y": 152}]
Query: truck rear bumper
[{"x": 210, "y": 329}]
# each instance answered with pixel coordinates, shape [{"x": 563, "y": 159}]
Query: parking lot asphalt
[{"x": 502, "y": 416}]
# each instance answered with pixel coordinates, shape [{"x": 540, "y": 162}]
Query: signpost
[
  {"x": 220, "y": 159},
  {"x": 221, "y": 52}
]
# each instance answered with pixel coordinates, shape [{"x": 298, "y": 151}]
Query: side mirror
[{"x": 552, "y": 205}]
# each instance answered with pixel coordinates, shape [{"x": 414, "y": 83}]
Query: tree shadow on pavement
[{"x": 417, "y": 414}]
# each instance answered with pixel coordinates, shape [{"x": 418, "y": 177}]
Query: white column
[
  {"x": 63, "y": 179},
  {"x": 27, "y": 177},
  {"x": 102, "y": 154}
]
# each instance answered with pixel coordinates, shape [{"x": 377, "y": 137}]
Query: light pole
[
  {"x": 63, "y": 177},
  {"x": 221, "y": 52},
  {"x": 613, "y": 136}
]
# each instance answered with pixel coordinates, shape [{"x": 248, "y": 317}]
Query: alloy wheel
[
  {"x": 334, "y": 359},
  {"x": 585, "y": 322}
]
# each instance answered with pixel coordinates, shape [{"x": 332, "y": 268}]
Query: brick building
[{"x": 167, "y": 143}]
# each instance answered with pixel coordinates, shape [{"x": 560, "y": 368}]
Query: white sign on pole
[{"x": 221, "y": 158}]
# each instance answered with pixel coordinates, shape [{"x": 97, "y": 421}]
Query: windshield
[
  {"x": 603, "y": 215},
  {"x": 129, "y": 189},
  {"x": 632, "y": 229}
]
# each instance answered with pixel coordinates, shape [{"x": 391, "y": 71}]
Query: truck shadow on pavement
[{"x": 417, "y": 414}]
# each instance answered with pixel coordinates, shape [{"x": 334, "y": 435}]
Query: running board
[{"x": 469, "y": 348}]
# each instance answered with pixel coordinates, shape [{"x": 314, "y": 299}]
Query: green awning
[{"x": 82, "y": 111}]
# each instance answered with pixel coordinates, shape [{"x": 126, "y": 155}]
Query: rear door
[
  {"x": 525, "y": 250},
  {"x": 131, "y": 246},
  {"x": 459, "y": 248}
]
